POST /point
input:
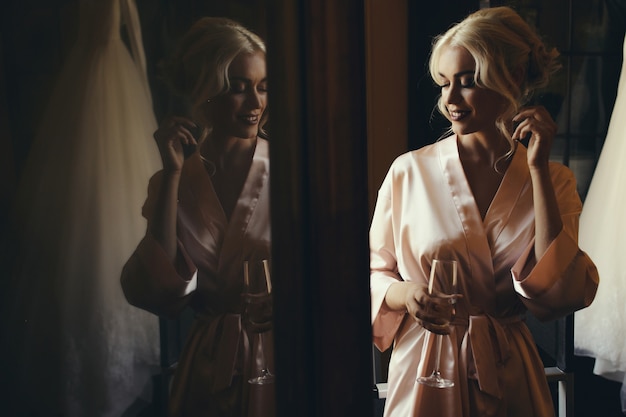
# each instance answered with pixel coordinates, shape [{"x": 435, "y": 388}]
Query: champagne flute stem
[
  {"x": 264, "y": 369},
  {"x": 262, "y": 351},
  {"x": 438, "y": 354}
]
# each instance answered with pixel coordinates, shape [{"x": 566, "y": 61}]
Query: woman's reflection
[{"x": 208, "y": 213}]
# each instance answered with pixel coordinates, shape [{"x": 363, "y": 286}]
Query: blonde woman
[
  {"x": 503, "y": 211},
  {"x": 208, "y": 213}
]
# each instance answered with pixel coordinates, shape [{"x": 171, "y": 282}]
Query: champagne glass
[
  {"x": 257, "y": 316},
  {"x": 442, "y": 279}
]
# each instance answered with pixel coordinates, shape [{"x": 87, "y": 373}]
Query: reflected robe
[
  {"x": 425, "y": 209},
  {"x": 207, "y": 276}
]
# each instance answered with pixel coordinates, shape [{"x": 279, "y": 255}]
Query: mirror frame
[{"x": 320, "y": 208}]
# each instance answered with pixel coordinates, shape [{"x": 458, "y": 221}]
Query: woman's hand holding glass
[
  {"x": 433, "y": 311},
  {"x": 258, "y": 312},
  {"x": 442, "y": 287}
]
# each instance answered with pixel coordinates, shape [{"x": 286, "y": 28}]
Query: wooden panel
[
  {"x": 387, "y": 90},
  {"x": 319, "y": 208}
]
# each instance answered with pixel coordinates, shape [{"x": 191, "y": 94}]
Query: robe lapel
[
  {"x": 478, "y": 250},
  {"x": 198, "y": 196},
  {"x": 247, "y": 202},
  {"x": 482, "y": 235},
  {"x": 198, "y": 190},
  {"x": 504, "y": 202}
]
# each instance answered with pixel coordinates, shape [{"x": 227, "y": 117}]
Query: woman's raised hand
[
  {"x": 536, "y": 122},
  {"x": 175, "y": 141}
]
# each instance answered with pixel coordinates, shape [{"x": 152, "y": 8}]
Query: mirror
[{"x": 77, "y": 312}]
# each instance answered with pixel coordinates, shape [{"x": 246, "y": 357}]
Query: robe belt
[
  {"x": 485, "y": 347},
  {"x": 228, "y": 336}
]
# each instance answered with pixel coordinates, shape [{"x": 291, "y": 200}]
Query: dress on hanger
[
  {"x": 599, "y": 329},
  {"x": 77, "y": 347}
]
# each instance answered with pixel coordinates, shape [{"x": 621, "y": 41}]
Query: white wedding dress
[
  {"x": 600, "y": 329},
  {"x": 77, "y": 348}
]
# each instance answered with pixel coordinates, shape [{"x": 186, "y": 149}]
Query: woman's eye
[
  {"x": 238, "y": 87},
  {"x": 468, "y": 83}
]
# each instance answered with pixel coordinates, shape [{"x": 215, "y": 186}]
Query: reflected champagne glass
[
  {"x": 257, "y": 303},
  {"x": 443, "y": 279}
]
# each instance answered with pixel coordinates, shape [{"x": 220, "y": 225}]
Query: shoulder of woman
[{"x": 413, "y": 157}]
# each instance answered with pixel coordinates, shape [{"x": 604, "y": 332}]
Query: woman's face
[
  {"x": 470, "y": 108},
  {"x": 237, "y": 113}
]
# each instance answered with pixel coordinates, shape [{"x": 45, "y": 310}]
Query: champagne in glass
[{"x": 443, "y": 280}]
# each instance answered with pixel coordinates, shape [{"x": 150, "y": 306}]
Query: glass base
[
  {"x": 265, "y": 378},
  {"x": 435, "y": 381}
]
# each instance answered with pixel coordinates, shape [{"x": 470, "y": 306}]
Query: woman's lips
[{"x": 457, "y": 115}]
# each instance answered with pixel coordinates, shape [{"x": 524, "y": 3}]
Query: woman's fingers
[
  {"x": 175, "y": 141},
  {"x": 536, "y": 124},
  {"x": 435, "y": 313},
  {"x": 177, "y": 129},
  {"x": 535, "y": 121}
]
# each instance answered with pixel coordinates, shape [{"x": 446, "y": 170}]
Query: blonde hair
[
  {"x": 504, "y": 48},
  {"x": 198, "y": 71}
]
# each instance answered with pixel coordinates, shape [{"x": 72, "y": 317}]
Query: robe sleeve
[
  {"x": 150, "y": 280},
  {"x": 383, "y": 270},
  {"x": 565, "y": 279}
]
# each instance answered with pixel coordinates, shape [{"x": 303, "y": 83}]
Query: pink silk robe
[
  {"x": 425, "y": 209},
  {"x": 208, "y": 276}
]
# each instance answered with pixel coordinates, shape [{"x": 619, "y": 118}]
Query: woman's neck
[
  {"x": 227, "y": 152},
  {"x": 483, "y": 149}
]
